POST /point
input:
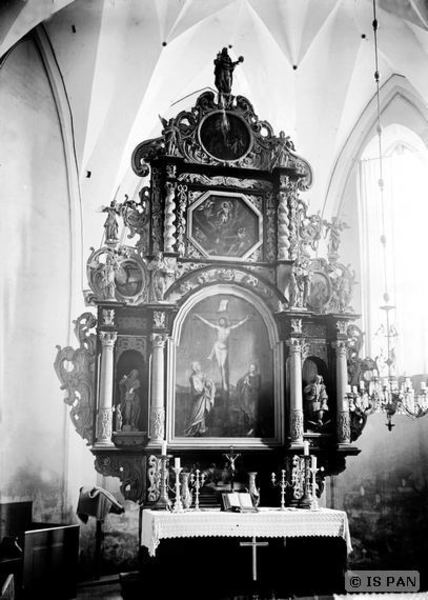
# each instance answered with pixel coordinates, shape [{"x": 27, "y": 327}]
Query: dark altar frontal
[
  {"x": 219, "y": 568},
  {"x": 217, "y": 554}
]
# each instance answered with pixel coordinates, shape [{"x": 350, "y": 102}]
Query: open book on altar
[{"x": 237, "y": 502}]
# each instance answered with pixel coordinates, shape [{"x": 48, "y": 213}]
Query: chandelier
[{"x": 381, "y": 390}]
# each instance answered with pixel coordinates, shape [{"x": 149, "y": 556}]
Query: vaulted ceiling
[{"x": 308, "y": 69}]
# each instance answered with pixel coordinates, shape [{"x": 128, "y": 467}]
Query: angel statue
[{"x": 111, "y": 226}]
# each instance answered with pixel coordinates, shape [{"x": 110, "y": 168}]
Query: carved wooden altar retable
[{"x": 217, "y": 323}]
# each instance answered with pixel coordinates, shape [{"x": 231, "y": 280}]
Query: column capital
[
  {"x": 158, "y": 340},
  {"x": 340, "y": 346},
  {"x": 296, "y": 345},
  {"x": 108, "y": 338}
]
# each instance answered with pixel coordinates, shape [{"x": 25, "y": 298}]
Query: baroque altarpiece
[{"x": 216, "y": 322}]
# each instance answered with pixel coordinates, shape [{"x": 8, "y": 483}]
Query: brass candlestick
[
  {"x": 306, "y": 501},
  {"x": 178, "y": 505},
  {"x": 282, "y": 483},
  {"x": 163, "y": 502},
  {"x": 197, "y": 482}
]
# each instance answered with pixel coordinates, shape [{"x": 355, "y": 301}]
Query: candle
[
  {"x": 361, "y": 385},
  {"x": 423, "y": 385},
  {"x": 354, "y": 389},
  {"x": 306, "y": 448},
  {"x": 348, "y": 389},
  {"x": 164, "y": 448},
  {"x": 177, "y": 462},
  {"x": 313, "y": 462}
]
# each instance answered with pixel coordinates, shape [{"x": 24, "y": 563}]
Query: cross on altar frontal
[{"x": 254, "y": 544}]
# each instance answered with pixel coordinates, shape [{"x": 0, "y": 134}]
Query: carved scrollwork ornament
[
  {"x": 129, "y": 469},
  {"x": 75, "y": 369},
  {"x": 135, "y": 217}
]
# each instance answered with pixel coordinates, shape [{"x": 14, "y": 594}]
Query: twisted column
[
  {"x": 283, "y": 226},
  {"x": 293, "y": 242},
  {"x": 157, "y": 412},
  {"x": 343, "y": 431},
  {"x": 181, "y": 219},
  {"x": 170, "y": 229},
  {"x": 105, "y": 401},
  {"x": 296, "y": 346}
]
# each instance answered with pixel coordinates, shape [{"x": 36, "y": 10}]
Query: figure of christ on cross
[{"x": 220, "y": 347}]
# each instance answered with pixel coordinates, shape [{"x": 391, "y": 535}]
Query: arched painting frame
[{"x": 225, "y": 382}]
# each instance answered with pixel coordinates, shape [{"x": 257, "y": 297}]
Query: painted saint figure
[
  {"x": 130, "y": 407},
  {"x": 202, "y": 391},
  {"x": 249, "y": 394},
  {"x": 220, "y": 347}
]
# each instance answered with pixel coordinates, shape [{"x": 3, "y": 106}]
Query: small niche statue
[
  {"x": 316, "y": 398},
  {"x": 130, "y": 407}
]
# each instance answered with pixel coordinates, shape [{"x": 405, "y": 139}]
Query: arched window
[{"x": 401, "y": 214}]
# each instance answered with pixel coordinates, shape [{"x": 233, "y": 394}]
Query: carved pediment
[{"x": 211, "y": 134}]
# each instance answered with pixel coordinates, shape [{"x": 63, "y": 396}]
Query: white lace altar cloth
[{"x": 269, "y": 523}]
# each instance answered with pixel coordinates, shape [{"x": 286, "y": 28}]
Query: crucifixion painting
[{"x": 224, "y": 344}]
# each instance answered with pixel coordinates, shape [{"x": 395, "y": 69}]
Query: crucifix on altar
[
  {"x": 231, "y": 459},
  {"x": 254, "y": 545}
]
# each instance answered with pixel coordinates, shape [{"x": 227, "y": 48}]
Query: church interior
[{"x": 214, "y": 359}]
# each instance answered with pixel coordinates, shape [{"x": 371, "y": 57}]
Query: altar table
[{"x": 266, "y": 523}]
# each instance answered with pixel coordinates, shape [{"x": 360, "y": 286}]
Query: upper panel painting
[{"x": 225, "y": 225}]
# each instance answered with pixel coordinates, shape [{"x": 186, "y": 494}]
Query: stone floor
[{"x": 108, "y": 588}]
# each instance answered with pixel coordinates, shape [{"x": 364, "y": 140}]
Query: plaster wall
[
  {"x": 385, "y": 493},
  {"x": 36, "y": 264}
]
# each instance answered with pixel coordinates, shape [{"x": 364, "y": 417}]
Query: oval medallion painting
[{"x": 225, "y": 136}]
